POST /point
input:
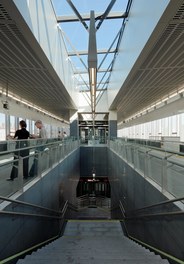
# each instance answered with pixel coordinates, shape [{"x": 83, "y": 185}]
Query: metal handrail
[
  {"x": 152, "y": 147},
  {"x": 82, "y": 196},
  {"x": 46, "y": 144},
  {"x": 155, "y": 215},
  {"x": 28, "y": 250},
  {"x": 14, "y": 160},
  {"x": 28, "y": 214},
  {"x": 123, "y": 213},
  {"x": 126, "y": 217},
  {"x": 157, "y": 204},
  {"x": 158, "y": 251},
  {"x": 122, "y": 209},
  {"x": 63, "y": 211},
  {"x": 133, "y": 213},
  {"x": 29, "y": 147},
  {"x": 101, "y": 197},
  {"x": 83, "y": 199},
  {"x": 29, "y": 204},
  {"x": 168, "y": 256}
]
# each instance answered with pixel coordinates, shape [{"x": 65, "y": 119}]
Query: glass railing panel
[
  {"x": 140, "y": 160},
  {"x": 33, "y": 164},
  {"x": 54, "y": 155},
  {"x": 61, "y": 151},
  {"x": 44, "y": 159},
  {"x": 123, "y": 151},
  {"x": 41, "y": 157},
  {"x": 163, "y": 167},
  {"x": 155, "y": 169},
  {"x": 93, "y": 140},
  {"x": 174, "y": 182},
  {"x": 3, "y": 146},
  {"x": 6, "y": 165},
  {"x": 130, "y": 153}
]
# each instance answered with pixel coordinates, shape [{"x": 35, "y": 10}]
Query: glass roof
[{"x": 77, "y": 36}]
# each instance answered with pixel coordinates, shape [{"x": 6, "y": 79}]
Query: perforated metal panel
[
  {"x": 27, "y": 76},
  {"x": 159, "y": 71}
]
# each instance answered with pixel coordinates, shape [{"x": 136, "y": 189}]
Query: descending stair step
[
  {"x": 94, "y": 261},
  {"x": 93, "y": 242},
  {"x": 101, "y": 255}
]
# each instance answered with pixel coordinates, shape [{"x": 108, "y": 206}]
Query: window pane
[
  {"x": 2, "y": 127},
  {"x": 12, "y": 125}
]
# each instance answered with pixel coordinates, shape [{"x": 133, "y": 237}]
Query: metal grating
[
  {"x": 3, "y": 13},
  {"x": 180, "y": 13}
]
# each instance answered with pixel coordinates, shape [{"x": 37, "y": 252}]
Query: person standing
[
  {"x": 42, "y": 130},
  {"x": 21, "y": 135},
  {"x": 64, "y": 135},
  {"x": 59, "y": 134},
  {"x": 42, "y": 135}
]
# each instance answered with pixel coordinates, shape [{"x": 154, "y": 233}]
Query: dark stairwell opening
[
  {"x": 93, "y": 198},
  {"x": 93, "y": 191}
]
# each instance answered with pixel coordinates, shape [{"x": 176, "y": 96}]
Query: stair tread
[{"x": 93, "y": 242}]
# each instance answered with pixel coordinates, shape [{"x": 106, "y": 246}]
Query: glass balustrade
[
  {"x": 162, "y": 166},
  {"x": 42, "y": 156}
]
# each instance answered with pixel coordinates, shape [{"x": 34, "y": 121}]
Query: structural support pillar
[
  {"x": 112, "y": 124},
  {"x": 74, "y": 128}
]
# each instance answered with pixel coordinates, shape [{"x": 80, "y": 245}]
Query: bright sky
[
  {"x": 78, "y": 35},
  {"x": 108, "y": 29}
]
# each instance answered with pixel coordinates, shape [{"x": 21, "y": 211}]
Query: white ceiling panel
[
  {"x": 159, "y": 70},
  {"x": 25, "y": 69}
]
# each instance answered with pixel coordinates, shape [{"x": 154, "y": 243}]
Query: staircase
[{"x": 93, "y": 242}]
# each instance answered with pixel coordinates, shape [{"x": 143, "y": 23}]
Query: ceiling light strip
[
  {"x": 32, "y": 106},
  {"x": 92, "y": 60}
]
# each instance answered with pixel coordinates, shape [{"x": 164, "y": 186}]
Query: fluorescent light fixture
[
  {"x": 92, "y": 76},
  {"x": 31, "y": 105},
  {"x": 92, "y": 60}
]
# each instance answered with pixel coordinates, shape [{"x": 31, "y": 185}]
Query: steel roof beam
[
  {"x": 77, "y": 14},
  {"x": 109, "y": 49},
  {"x": 85, "y": 52},
  {"x": 86, "y": 17},
  {"x": 87, "y": 91},
  {"x": 86, "y": 72},
  {"x": 105, "y": 14}
]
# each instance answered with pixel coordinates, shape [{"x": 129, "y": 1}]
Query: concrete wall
[
  {"x": 93, "y": 157},
  {"x": 112, "y": 129},
  {"x": 163, "y": 232},
  {"x": 74, "y": 129},
  {"x": 21, "y": 232},
  {"x": 127, "y": 185}
]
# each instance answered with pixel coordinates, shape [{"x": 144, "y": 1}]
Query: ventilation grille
[
  {"x": 180, "y": 13},
  {"x": 3, "y": 14},
  {"x": 27, "y": 76}
]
